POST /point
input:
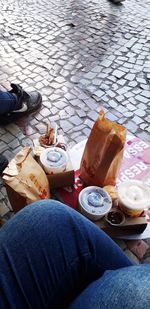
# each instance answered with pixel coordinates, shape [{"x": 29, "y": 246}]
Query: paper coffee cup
[
  {"x": 54, "y": 160},
  {"x": 94, "y": 202},
  {"x": 134, "y": 197}
]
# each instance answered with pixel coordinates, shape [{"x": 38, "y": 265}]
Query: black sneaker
[
  {"x": 3, "y": 163},
  {"x": 28, "y": 103}
]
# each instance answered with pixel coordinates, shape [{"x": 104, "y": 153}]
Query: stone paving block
[
  {"x": 41, "y": 128},
  {"x": 13, "y": 129},
  {"x": 111, "y": 116},
  {"x": 54, "y": 110},
  {"x": 133, "y": 101},
  {"x": 130, "y": 77},
  {"x": 128, "y": 114},
  {"x": 14, "y": 144},
  {"x": 89, "y": 123},
  {"x": 3, "y": 209},
  {"x": 131, "y": 256},
  {"x": 70, "y": 110},
  {"x": 65, "y": 125},
  {"x": 91, "y": 103},
  {"x": 86, "y": 131},
  {"x": 121, "y": 81},
  {"x": 15, "y": 151},
  {"x": 81, "y": 113},
  {"x": 148, "y": 118},
  {"x": 96, "y": 82},
  {"x": 118, "y": 73},
  {"x": 93, "y": 115},
  {"x": 78, "y": 128},
  {"x": 137, "y": 120},
  {"x": 129, "y": 95},
  {"x": 74, "y": 135},
  {"x": 106, "y": 63},
  {"x": 85, "y": 82},
  {"x": 7, "y": 137},
  {"x": 131, "y": 42},
  {"x": 111, "y": 93},
  {"x": 131, "y": 126},
  {"x": 60, "y": 104},
  {"x": 63, "y": 114},
  {"x": 112, "y": 103},
  {"x": 99, "y": 93},
  {"x": 75, "y": 102},
  {"x": 75, "y": 120},
  {"x": 45, "y": 112},
  {"x": 90, "y": 75},
  {"x": 91, "y": 88},
  {"x": 3, "y": 146},
  {"x": 53, "y": 118},
  {"x": 146, "y": 94},
  {"x": 20, "y": 136},
  {"x": 140, "y": 112},
  {"x": 131, "y": 107},
  {"x": 2, "y": 131},
  {"x": 142, "y": 99},
  {"x": 97, "y": 69},
  {"x": 143, "y": 126},
  {"x": 80, "y": 138},
  {"x": 120, "y": 98}
]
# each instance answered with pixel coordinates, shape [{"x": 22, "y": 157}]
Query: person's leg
[
  {"x": 122, "y": 288},
  {"x": 18, "y": 103},
  {"x": 49, "y": 253},
  {"x": 8, "y": 102}
]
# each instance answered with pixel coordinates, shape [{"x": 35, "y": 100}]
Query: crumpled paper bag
[
  {"x": 25, "y": 178},
  {"x": 103, "y": 153}
]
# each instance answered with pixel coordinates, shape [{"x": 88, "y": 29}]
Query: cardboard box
[
  {"x": 63, "y": 179},
  {"x": 129, "y": 227}
]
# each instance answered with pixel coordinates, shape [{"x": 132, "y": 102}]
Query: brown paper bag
[
  {"x": 25, "y": 179},
  {"x": 103, "y": 153}
]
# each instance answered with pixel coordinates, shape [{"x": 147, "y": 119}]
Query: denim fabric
[
  {"x": 8, "y": 102},
  {"x": 127, "y": 288},
  {"x": 49, "y": 254}
]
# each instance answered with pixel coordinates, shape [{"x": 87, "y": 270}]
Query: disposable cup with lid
[
  {"x": 54, "y": 160},
  {"x": 134, "y": 197},
  {"x": 94, "y": 202}
]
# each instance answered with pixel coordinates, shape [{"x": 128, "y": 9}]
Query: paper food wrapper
[
  {"x": 27, "y": 178},
  {"x": 103, "y": 153}
]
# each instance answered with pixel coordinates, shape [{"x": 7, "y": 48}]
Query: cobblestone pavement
[{"x": 80, "y": 55}]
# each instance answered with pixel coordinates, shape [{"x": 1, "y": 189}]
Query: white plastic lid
[
  {"x": 54, "y": 157},
  {"x": 134, "y": 194},
  {"x": 95, "y": 200}
]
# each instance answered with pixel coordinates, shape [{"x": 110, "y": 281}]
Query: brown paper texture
[
  {"x": 103, "y": 153},
  {"x": 26, "y": 177}
]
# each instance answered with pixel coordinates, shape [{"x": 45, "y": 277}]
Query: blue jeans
[
  {"x": 53, "y": 257},
  {"x": 8, "y": 102}
]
